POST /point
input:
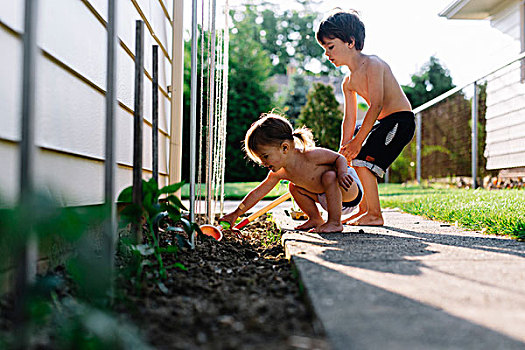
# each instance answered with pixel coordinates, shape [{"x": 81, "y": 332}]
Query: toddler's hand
[{"x": 345, "y": 181}]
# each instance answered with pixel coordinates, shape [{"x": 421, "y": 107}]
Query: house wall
[
  {"x": 70, "y": 94},
  {"x": 505, "y": 115}
]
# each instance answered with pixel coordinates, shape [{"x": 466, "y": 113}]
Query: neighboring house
[
  {"x": 505, "y": 115},
  {"x": 70, "y": 94}
]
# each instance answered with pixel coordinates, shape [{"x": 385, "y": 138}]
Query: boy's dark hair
[
  {"x": 343, "y": 25},
  {"x": 273, "y": 129}
]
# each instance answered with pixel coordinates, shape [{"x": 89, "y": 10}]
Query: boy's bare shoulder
[
  {"x": 374, "y": 59},
  {"x": 375, "y": 62}
]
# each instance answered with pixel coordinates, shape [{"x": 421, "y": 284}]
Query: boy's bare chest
[{"x": 359, "y": 83}]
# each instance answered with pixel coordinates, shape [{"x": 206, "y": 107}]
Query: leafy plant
[
  {"x": 53, "y": 317},
  {"x": 154, "y": 212},
  {"x": 322, "y": 115}
]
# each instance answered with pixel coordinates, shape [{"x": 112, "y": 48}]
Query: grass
[
  {"x": 237, "y": 190},
  {"x": 499, "y": 212}
]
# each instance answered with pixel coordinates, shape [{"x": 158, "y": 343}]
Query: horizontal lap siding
[
  {"x": 70, "y": 97},
  {"x": 505, "y": 126},
  {"x": 10, "y": 86}
]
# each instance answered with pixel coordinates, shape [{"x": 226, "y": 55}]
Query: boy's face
[{"x": 336, "y": 50}]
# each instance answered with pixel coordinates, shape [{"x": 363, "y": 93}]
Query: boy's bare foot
[
  {"x": 328, "y": 228},
  {"x": 353, "y": 217},
  {"x": 368, "y": 220},
  {"x": 309, "y": 224}
]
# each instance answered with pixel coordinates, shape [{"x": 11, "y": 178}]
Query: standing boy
[{"x": 389, "y": 123}]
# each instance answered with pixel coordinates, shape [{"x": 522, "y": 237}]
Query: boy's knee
[
  {"x": 329, "y": 177},
  {"x": 292, "y": 188}
]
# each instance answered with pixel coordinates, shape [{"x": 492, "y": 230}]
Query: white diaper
[{"x": 346, "y": 207}]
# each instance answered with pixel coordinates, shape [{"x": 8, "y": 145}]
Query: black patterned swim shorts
[{"x": 385, "y": 142}]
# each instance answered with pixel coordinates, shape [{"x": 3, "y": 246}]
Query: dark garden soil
[{"x": 239, "y": 293}]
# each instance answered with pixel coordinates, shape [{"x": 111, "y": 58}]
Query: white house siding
[
  {"x": 505, "y": 119},
  {"x": 505, "y": 115},
  {"x": 70, "y": 94}
]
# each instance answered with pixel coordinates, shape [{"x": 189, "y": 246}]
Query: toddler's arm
[
  {"x": 339, "y": 163},
  {"x": 253, "y": 197},
  {"x": 344, "y": 179}
]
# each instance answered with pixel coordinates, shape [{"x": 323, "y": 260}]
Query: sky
[{"x": 405, "y": 33}]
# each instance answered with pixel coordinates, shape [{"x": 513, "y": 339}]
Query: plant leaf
[
  {"x": 175, "y": 229},
  {"x": 126, "y": 195},
  {"x": 171, "y": 188},
  {"x": 143, "y": 249},
  {"x": 178, "y": 265},
  {"x": 181, "y": 241},
  {"x": 176, "y": 201},
  {"x": 188, "y": 227},
  {"x": 171, "y": 249},
  {"x": 157, "y": 218},
  {"x": 163, "y": 287}
]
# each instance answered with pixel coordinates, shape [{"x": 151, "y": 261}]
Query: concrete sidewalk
[{"x": 412, "y": 284}]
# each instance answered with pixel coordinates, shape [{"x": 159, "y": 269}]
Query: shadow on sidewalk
[{"x": 359, "y": 315}]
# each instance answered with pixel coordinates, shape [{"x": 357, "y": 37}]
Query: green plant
[
  {"x": 58, "y": 314},
  {"x": 322, "y": 115},
  {"x": 154, "y": 212},
  {"x": 273, "y": 233}
]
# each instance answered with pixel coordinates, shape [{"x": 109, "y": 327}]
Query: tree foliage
[
  {"x": 288, "y": 37},
  {"x": 296, "y": 97},
  {"x": 248, "y": 97},
  {"x": 432, "y": 81},
  {"x": 322, "y": 115}
]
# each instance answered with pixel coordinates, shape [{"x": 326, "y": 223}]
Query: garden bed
[{"x": 239, "y": 293}]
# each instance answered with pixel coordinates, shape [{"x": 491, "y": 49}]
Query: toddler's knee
[
  {"x": 329, "y": 177},
  {"x": 292, "y": 188}
]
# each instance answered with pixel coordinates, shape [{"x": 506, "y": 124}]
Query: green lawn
[
  {"x": 496, "y": 212},
  {"x": 237, "y": 190}
]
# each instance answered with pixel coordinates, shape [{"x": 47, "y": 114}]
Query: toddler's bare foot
[
  {"x": 329, "y": 227},
  {"x": 369, "y": 220},
  {"x": 309, "y": 224}
]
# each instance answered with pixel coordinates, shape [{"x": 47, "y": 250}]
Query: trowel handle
[{"x": 260, "y": 212}]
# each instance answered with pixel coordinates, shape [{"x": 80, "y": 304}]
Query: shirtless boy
[{"x": 389, "y": 123}]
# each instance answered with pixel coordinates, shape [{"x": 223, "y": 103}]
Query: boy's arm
[
  {"x": 253, "y": 197},
  {"x": 376, "y": 94},
  {"x": 350, "y": 112}
]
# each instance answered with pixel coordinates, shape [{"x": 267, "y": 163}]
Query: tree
[
  {"x": 248, "y": 96},
  {"x": 296, "y": 97},
  {"x": 288, "y": 37},
  {"x": 432, "y": 81},
  {"x": 322, "y": 115}
]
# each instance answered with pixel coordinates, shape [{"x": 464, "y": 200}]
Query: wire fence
[{"x": 468, "y": 133}]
